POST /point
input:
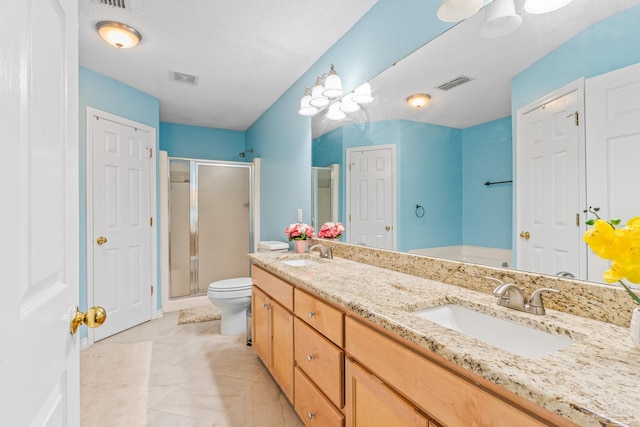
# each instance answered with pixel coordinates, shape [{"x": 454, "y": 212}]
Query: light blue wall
[
  {"x": 486, "y": 211},
  {"x": 282, "y": 138},
  {"x": 195, "y": 142},
  {"x": 108, "y": 95}
]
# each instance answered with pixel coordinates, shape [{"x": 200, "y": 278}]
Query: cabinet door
[
  {"x": 370, "y": 403},
  {"x": 261, "y": 319},
  {"x": 282, "y": 348}
]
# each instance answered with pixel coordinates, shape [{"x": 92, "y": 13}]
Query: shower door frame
[{"x": 193, "y": 216}]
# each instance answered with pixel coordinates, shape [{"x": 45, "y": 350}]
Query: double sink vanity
[{"x": 374, "y": 337}]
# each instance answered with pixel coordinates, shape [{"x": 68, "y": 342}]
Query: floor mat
[{"x": 204, "y": 313}]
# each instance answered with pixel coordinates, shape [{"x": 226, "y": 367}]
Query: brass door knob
[
  {"x": 93, "y": 318},
  {"x": 101, "y": 240},
  {"x": 387, "y": 228},
  {"x": 525, "y": 235}
]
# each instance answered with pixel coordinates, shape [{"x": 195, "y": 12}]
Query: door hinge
[
  {"x": 150, "y": 152},
  {"x": 150, "y": 221},
  {"x": 578, "y": 219},
  {"x": 151, "y": 290},
  {"x": 577, "y": 119}
]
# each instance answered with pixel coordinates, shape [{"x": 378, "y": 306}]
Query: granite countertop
[{"x": 593, "y": 382}]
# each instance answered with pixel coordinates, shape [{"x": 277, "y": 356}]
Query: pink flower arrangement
[
  {"x": 299, "y": 231},
  {"x": 331, "y": 230}
]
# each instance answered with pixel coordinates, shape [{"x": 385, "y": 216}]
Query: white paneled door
[
  {"x": 371, "y": 196},
  {"x": 549, "y": 180},
  {"x": 121, "y": 222},
  {"x": 39, "y": 367},
  {"x": 613, "y": 149}
]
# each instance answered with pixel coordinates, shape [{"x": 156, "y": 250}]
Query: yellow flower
[
  {"x": 619, "y": 271},
  {"x": 601, "y": 239}
]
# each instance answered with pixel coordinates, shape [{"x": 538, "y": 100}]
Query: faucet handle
[{"x": 536, "y": 296}]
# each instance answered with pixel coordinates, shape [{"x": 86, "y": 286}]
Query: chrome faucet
[
  {"x": 511, "y": 296},
  {"x": 324, "y": 252}
]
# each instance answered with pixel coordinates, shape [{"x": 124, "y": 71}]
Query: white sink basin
[
  {"x": 512, "y": 337},
  {"x": 299, "y": 262}
]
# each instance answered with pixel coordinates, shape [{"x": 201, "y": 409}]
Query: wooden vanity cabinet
[
  {"x": 319, "y": 359},
  {"x": 272, "y": 327},
  {"x": 436, "y": 387}
]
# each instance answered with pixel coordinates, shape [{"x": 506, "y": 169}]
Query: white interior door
[
  {"x": 549, "y": 179},
  {"x": 613, "y": 149},
  {"x": 371, "y": 196},
  {"x": 121, "y": 236},
  {"x": 39, "y": 368}
]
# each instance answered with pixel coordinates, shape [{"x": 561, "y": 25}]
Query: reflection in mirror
[
  {"x": 464, "y": 138},
  {"x": 324, "y": 195}
]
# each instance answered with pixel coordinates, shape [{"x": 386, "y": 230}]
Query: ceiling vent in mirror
[
  {"x": 118, "y": 4},
  {"x": 183, "y": 78},
  {"x": 455, "y": 82}
]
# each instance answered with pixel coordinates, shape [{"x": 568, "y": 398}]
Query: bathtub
[{"x": 492, "y": 257}]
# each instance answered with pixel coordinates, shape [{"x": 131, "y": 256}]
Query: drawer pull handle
[
  {"x": 311, "y": 314},
  {"x": 311, "y": 414},
  {"x": 310, "y": 357},
  {"x": 265, "y": 306}
]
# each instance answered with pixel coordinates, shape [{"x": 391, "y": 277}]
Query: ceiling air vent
[
  {"x": 455, "y": 82},
  {"x": 118, "y": 4},
  {"x": 183, "y": 78}
]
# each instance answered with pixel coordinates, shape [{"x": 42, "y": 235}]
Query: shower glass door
[{"x": 210, "y": 223}]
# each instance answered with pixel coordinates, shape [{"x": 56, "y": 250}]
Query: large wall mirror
[{"x": 446, "y": 152}]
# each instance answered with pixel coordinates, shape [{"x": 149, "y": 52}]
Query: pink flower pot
[{"x": 301, "y": 246}]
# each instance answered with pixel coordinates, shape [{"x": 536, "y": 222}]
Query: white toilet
[{"x": 233, "y": 296}]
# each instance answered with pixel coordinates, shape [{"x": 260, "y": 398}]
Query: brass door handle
[
  {"x": 387, "y": 228},
  {"x": 101, "y": 240},
  {"x": 525, "y": 235},
  {"x": 93, "y": 318}
]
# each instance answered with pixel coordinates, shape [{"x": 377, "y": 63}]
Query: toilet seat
[{"x": 230, "y": 288}]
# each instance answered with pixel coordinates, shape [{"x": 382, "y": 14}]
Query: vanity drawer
[
  {"x": 277, "y": 288},
  {"x": 312, "y": 407},
  {"x": 452, "y": 399},
  {"x": 321, "y": 360},
  {"x": 329, "y": 321}
]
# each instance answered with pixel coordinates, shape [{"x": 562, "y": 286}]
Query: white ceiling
[
  {"x": 492, "y": 63},
  {"x": 246, "y": 53}
]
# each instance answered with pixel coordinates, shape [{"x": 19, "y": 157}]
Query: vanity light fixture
[
  {"x": 419, "y": 100},
  {"x": 118, "y": 34},
  {"x": 457, "y": 10},
  {"x": 544, "y": 6},
  {"x": 325, "y": 90},
  {"x": 500, "y": 19}
]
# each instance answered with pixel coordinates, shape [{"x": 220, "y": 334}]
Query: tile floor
[{"x": 200, "y": 378}]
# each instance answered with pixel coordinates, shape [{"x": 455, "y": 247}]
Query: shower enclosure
[{"x": 210, "y": 227}]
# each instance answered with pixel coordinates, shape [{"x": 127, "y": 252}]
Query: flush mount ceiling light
[
  {"x": 119, "y": 35},
  {"x": 500, "y": 19},
  {"x": 544, "y": 6},
  {"x": 419, "y": 100},
  {"x": 457, "y": 10}
]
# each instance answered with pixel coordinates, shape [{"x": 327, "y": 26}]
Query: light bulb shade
[
  {"x": 457, "y": 10},
  {"x": 362, "y": 94},
  {"x": 305, "y": 108},
  {"x": 348, "y": 105},
  {"x": 334, "y": 112},
  {"x": 118, "y": 34},
  {"x": 500, "y": 19},
  {"x": 544, "y": 6},
  {"x": 332, "y": 86},
  {"x": 419, "y": 100},
  {"x": 317, "y": 100}
]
